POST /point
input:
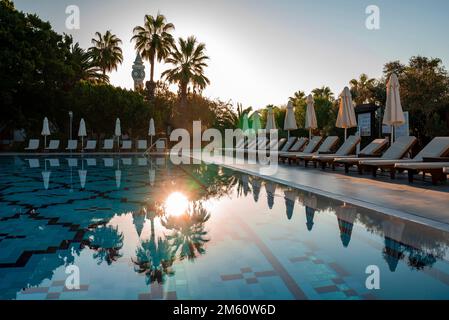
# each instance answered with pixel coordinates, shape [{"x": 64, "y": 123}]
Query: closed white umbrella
[
  {"x": 256, "y": 122},
  {"x": 46, "y": 178},
  {"x": 151, "y": 131},
  {"x": 271, "y": 123},
  {"x": 346, "y": 113},
  {"x": 290, "y": 198},
  {"x": 118, "y": 131},
  {"x": 82, "y": 132},
  {"x": 270, "y": 188},
  {"x": 394, "y": 116},
  {"x": 245, "y": 125},
  {"x": 83, "y": 175},
  {"x": 290, "y": 120},
  {"x": 311, "y": 122},
  {"x": 152, "y": 175},
  {"x": 45, "y": 131}
]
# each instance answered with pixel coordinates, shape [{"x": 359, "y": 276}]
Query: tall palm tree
[
  {"x": 153, "y": 41},
  {"x": 362, "y": 89},
  {"x": 84, "y": 66},
  {"x": 189, "y": 60},
  {"x": 323, "y": 92},
  {"x": 106, "y": 51}
]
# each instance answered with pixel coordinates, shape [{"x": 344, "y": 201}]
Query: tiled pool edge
[{"x": 364, "y": 204}]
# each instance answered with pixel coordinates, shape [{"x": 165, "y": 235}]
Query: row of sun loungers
[
  {"x": 92, "y": 162},
  {"x": 91, "y": 145},
  {"x": 372, "y": 157}
]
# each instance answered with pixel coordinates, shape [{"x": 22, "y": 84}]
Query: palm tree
[
  {"x": 298, "y": 96},
  {"x": 324, "y": 93},
  {"x": 107, "y": 242},
  {"x": 153, "y": 41},
  {"x": 84, "y": 66},
  {"x": 188, "y": 60},
  {"x": 106, "y": 51},
  {"x": 362, "y": 89}
]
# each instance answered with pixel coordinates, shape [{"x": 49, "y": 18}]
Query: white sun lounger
[
  {"x": 72, "y": 145},
  {"x": 142, "y": 145},
  {"x": 53, "y": 145},
  {"x": 108, "y": 162},
  {"x": 108, "y": 144},
  {"x": 160, "y": 145},
  {"x": 33, "y": 163},
  {"x": 72, "y": 162},
  {"x": 33, "y": 145},
  {"x": 91, "y": 145},
  {"x": 127, "y": 145}
]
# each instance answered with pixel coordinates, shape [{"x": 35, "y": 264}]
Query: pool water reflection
[{"x": 144, "y": 229}]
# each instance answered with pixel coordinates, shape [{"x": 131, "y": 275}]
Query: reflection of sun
[{"x": 176, "y": 204}]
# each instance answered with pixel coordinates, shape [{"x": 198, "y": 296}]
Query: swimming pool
[{"x": 138, "y": 228}]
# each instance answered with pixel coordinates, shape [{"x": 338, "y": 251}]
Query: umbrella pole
[
  {"x": 310, "y": 133},
  {"x": 288, "y": 134},
  {"x": 392, "y": 134},
  {"x": 346, "y": 130},
  {"x": 45, "y": 142}
]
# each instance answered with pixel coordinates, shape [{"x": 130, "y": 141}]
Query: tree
[
  {"x": 362, "y": 89},
  {"x": 106, "y": 51},
  {"x": 85, "y": 67},
  {"x": 323, "y": 92},
  {"x": 298, "y": 98},
  {"x": 188, "y": 60},
  {"x": 153, "y": 42}
]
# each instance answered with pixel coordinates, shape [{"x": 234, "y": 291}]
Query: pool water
[{"x": 137, "y": 228}]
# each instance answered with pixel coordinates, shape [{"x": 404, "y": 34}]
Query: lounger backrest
[
  {"x": 262, "y": 143},
  {"x": 348, "y": 147},
  {"x": 108, "y": 144},
  {"x": 438, "y": 147},
  {"x": 126, "y": 144},
  {"x": 34, "y": 163},
  {"x": 288, "y": 144},
  {"x": 299, "y": 144},
  {"x": 53, "y": 162},
  {"x": 160, "y": 145},
  {"x": 142, "y": 144},
  {"x": 313, "y": 144},
  {"x": 72, "y": 144},
  {"x": 240, "y": 143},
  {"x": 54, "y": 145},
  {"x": 275, "y": 143},
  {"x": 399, "y": 148},
  {"x": 251, "y": 144},
  {"x": 328, "y": 144},
  {"x": 33, "y": 144},
  {"x": 91, "y": 145},
  {"x": 375, "y": 147}
]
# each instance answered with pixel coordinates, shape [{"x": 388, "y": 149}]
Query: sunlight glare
[{"x": 176, "y": 204}]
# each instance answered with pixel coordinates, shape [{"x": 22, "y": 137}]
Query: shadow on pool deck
[{"x": 421, "y": 202}]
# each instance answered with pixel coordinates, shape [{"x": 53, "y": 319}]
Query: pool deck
[{"x": 420, "y": 202}]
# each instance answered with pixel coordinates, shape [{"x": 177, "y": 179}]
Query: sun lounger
[
  {"x": 91, "y": 162},
  {"x": 53, "y": 162},
  {"x": 33, "y": 163},
  {"x": 91, "y": 145},
  {"x": 127, "y": 145},
  {"x": 311, "y": 147},
  {"x": 142, "y": 161},
  {"x": 72, "y": 145},
  {"x": 160, "y": 145},
  {"x": 298, "y": 146},
  {"x": 53, "y": 145},
  {"x": 276, "y": 144},
  {"x": 347, "y": 148},
  {"x": 326, "y": 147},
  {"x": 72, "y": 162},
  {"x": 108, "y": 144},
  {"x": 127, "y": 161},
  {"x": 438, "y": 147},
  {"x": 142, "y": 145},
  {"x": 290, "y": 142},
  {"x": 396, "y": 151},
  {"x": 437, "y": 170},
  {"x": 33, "y": 145}
]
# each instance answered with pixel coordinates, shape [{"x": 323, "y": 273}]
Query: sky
[{"x": 262, "y": 51}]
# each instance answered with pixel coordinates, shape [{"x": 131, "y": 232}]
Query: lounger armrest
[{"x": 326, "y": 152}]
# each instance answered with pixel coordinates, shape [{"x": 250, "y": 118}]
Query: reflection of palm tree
[
  {"x": 188, "y": 237},
  {"x": 107, "y": 242},
  {"x": 154, "y": 259}
]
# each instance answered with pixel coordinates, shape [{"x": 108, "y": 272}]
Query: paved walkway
[{"x": 421, "y": 202}]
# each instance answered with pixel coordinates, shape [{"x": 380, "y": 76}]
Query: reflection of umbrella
[
  {"x": 151, "y": 131},
  {"x": 290, "y": 120},
  {"x": 152, "y": 174},
  {"x": 256, "y": 184},
  {"x": 290, "y": 198},
  {"x": 82, "y": 132},
  {"x": 83, "y": 174},
  {"x": 310, "y": 203},
  {"x": 271, "y": 123},
  {"x": 138, "y": 221},
  {"x": 270, "y": 187},
  {"x": 45, "y": 131},
  {"x": 118, "y": 178},
  {"x": 256, "y": 123},
  {"x": 346, "y": 114},
  {"x": 346, "y": 215},
  {"x": 118, "y": 130},
  {"x": 311, "y": 122},
  {"x": 394, "y": 116},
  {"x": 46, "y": 178},
  {"x": 394, "y": 249}
]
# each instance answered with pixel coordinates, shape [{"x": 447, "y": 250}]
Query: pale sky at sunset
[{"x": 264, "y": 50}]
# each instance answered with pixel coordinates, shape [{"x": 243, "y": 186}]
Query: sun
[{"x": 176, "y": 204}]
